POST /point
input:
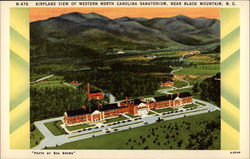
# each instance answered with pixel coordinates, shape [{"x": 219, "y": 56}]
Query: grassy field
[
  {"x": 171, "y": 134},
  {"x": 55, "y": 128},
  {"x": 150, "y": 113},
  {"x": 163, "y": 110},
  {"x": 178, "y": 83},
  {"x": 190, "y": 106},
  {"x": 132, "y": 116},
  {"x": 120, "y": 118},
  {"x": 80, "y": 126},
  {"x": 198, "y": 71},
  {"x": 35, "y": 137},
  {"x": 52, "y": 84},
  {"x": 182, "y": 90}
]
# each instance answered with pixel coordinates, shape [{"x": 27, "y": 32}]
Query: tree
[
  {"x": 146, "y": 147},
  {"x": 179, "y": 143}
]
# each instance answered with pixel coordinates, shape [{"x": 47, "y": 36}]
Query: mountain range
[{"x": 96, "y": 31}]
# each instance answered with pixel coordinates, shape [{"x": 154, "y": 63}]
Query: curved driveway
[{"x": 51, "y": 140}]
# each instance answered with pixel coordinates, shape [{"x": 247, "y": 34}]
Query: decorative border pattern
[
  {"x": 19, "y": 79},
  {"x": 230, "y": 78}
]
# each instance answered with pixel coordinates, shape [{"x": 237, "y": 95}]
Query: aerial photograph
[{"x": 125, "y": 78}]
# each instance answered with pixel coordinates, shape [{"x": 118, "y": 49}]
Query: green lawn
[
  {"x": 197, "y": 71},
  {"x": 190, "y": 106},
  {"x": 44, "y": 84},
  {"x": 55, "y": 128},
  {"x": 182, "y": 90},
  {"x": 120, "y": 118},
  {"x": 132, "y": 116},
  {"x": 35, "y": 137},
  {"x": 178, "y": 83},
  {"x": 171, "y": 134},
  {"x": 80, "y": 126},
  {"x": 163, "y": 110},
  {"x": 150, "y": 113}
]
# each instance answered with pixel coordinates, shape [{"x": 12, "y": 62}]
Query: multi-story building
[
  {"x": 167, "y": 83},
  {"x": 136, "y": 107},
  {"x": 94, "y": 94}
]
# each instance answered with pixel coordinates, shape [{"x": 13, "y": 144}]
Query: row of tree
[
  {"x": 209, "y": 89},
  {"x": 140, "y": 68}
]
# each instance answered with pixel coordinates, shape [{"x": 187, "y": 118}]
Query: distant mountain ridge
[{"x": 97, "y": 31}]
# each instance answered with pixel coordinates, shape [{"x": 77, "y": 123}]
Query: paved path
[
  {"x": 127, "y": 116},
  {"x": 51, "y": 140},
  {"x": 173, "y": 71},
  {"x": 166, "y": 91},
  {"x": 67, "y": 84},
  {"x": 43, "y": 78},
  {"x": 153, "y": 111}
]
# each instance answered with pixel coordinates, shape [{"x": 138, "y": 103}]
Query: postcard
[{"x": 119, "y": 79}]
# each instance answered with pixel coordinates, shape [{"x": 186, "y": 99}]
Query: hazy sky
[{"x": 45, "y": 13}]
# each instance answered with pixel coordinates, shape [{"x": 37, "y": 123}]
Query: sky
[{"x": 45, "y": 13}]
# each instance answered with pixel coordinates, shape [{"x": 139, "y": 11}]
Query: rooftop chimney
[
  {"x": 88, "y": 92},
  {"x": 126, "y": 100},
  {"x": 99, "y": 106}
]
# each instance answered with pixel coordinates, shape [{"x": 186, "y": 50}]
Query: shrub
[{"x": 146, "y": 147}]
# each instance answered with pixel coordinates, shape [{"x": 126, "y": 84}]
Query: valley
[{"x": 123, "y": 57}]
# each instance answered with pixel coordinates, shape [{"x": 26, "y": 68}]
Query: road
[
  {"x": 166, "y": 91},
  {"x": 43, "y": 78},
  {"x": 67, "y": 84},
  {"x": 51, "y": 140},
  {"x": 173, "y": 71}
]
